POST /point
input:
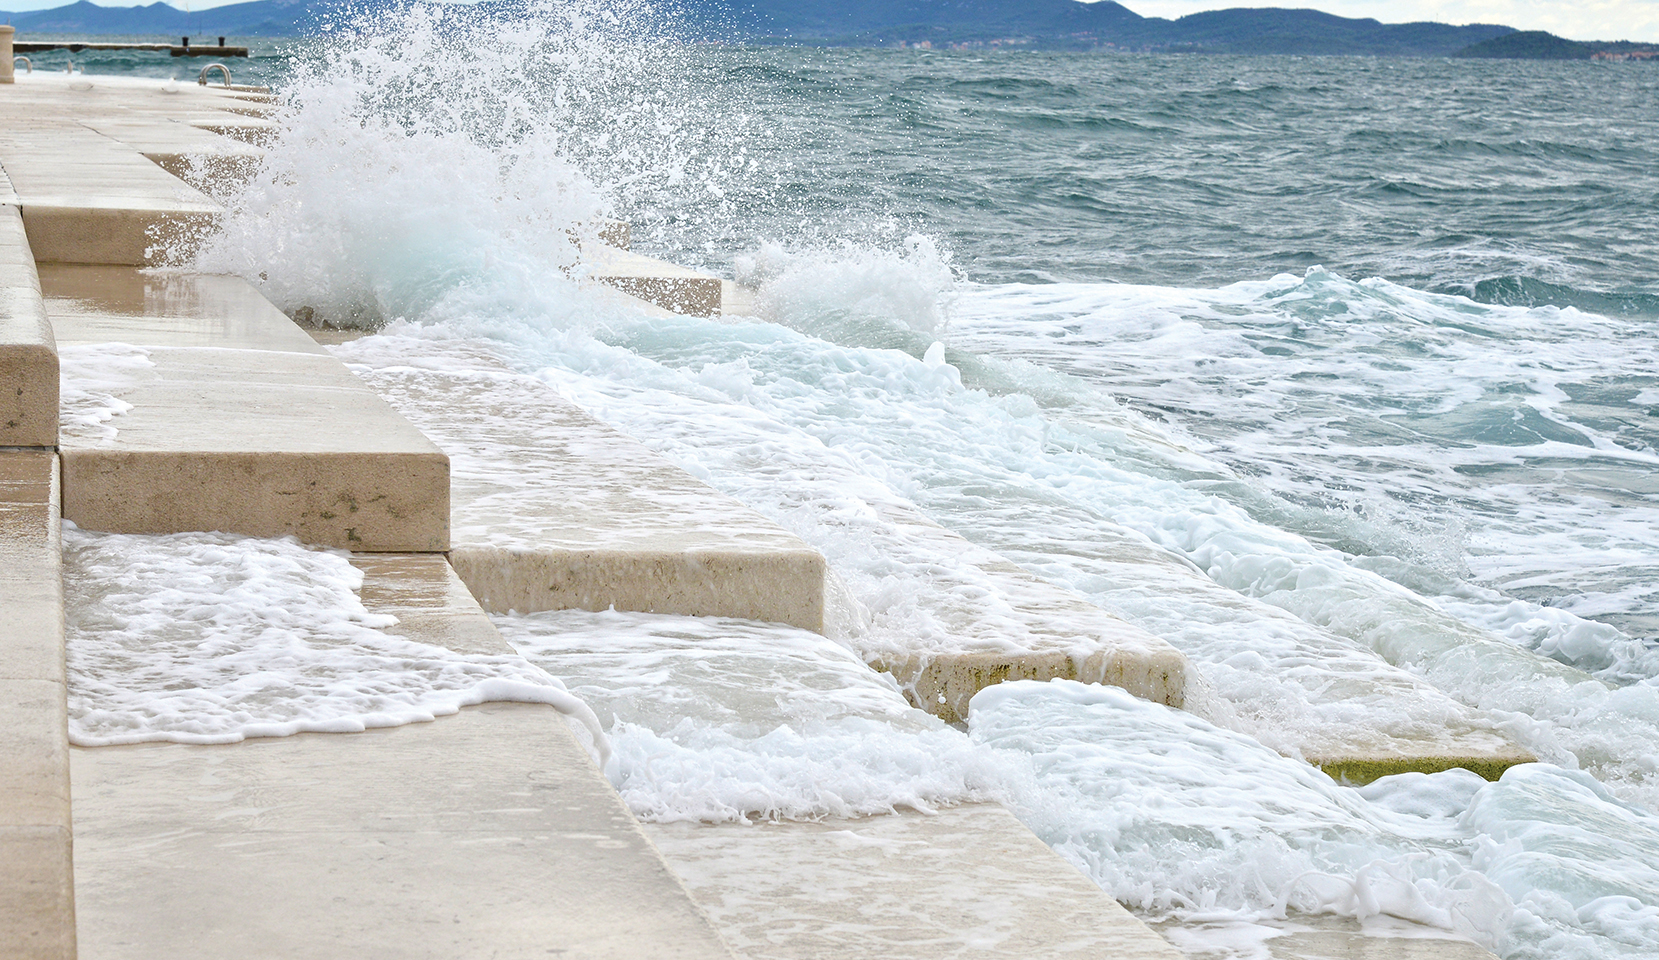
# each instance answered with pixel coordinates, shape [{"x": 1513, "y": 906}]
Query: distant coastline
[{"x": 1105, "y": 26}]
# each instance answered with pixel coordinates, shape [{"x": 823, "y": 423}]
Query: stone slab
[
  {"x": 965, "y": 883},
  {"x": 239, "y": 422},
  {"x": 553, "y": 509},
  {"x": 28, "y": 351},
  {"x": 37, "y": 916},
  {"x": 1485, "y": 753},
  {"x": 1339, "y": 939},
  {"x": 485, "y": 834},
  {"x": 37, "y": 913},
  {"x": 257, "y": 131},
  {"x": 667, "y": 285}
]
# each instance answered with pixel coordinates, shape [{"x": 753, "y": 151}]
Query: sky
[{"x": 1576, "y": 19}]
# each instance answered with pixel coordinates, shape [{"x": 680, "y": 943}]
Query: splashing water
[{"x": 431, "y": 150}]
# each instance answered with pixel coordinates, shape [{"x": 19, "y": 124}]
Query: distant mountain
[
  {"x": 1530, "y": 45},
  {"x": 1311, "y": 32},
  {"x": 999, "y": 23},
  {"x": 259, "y": 18},
  {"x": 829, "y": 20},
  {"x": 1074, "y": 24}
]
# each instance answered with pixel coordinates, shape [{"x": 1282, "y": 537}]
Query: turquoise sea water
[{"x": 1360, "y": 354}]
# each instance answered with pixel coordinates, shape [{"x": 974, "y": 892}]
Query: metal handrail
[
  {"x": 202, "y": 80},
  {"x": 27, "y": 66}
]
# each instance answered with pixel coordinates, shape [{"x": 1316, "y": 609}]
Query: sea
[{"x": 1336, "y": 373}]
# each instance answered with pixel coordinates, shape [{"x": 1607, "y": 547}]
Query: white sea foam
[
  {"x": 90, "y": 376},
  {"x": 213, "y": 638}
]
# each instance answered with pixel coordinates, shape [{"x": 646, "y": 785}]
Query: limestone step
[
  {"x": 238, "y": 421},
  {"x": 737, "y": 300},
  {"x": 553, "y": 509},
  {"x": 28, "y": 352},
  {"x": 1335, "y": 938},
  {"x": 37, "y": 915},
  {"x": 667, "y": 285},
  {"x": 968, "y": 882},
  {"x": 1474, "y": 747}
]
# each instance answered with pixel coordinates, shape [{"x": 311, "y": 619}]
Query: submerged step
[
  {"x": 1326, "y": 937},
  {"x": 1028, "y": 629},
  {"x": 1301, "y": 936},
  {"x": 37, "y": 908},
  {"x": 968, "y": 882},
  {"x": 1473, "y": 748},
  {"x": 28, "y": 351},
  {"x": 553, "y": 509},
  {"x": 193, "y": 404}
]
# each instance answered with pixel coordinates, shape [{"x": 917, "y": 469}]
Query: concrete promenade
[{"x": 188, "y": 402}]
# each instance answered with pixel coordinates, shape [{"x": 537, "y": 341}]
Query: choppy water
[{"x": 1317, "y": 368}]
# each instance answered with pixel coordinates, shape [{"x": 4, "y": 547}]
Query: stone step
[
  {"x": 238, "y": 421},
  {"x": 967, "y": 882},
  {"x": 28, "y": 351},
  {"x": 487, "y": 833},
  {"x": 737, "y": 300},
  {"x": 237, "y": 125},
  {"x": 37, "y": 907},
  {"x": 1336, "y": 703},
  {"x": 553, "y": 509},
  {"x": 667, "y": 285}
]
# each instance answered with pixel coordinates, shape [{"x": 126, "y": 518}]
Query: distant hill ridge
[{"x": 940, "y": 23}]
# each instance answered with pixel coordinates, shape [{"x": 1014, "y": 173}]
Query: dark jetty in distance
[{"x": 983, "y": 24}]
